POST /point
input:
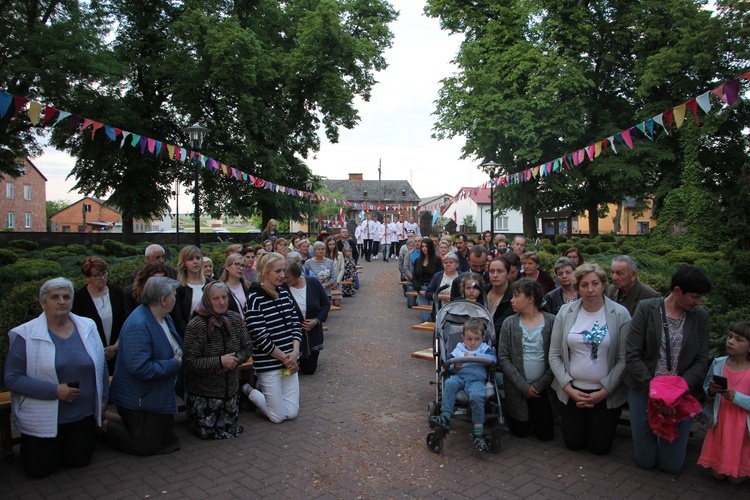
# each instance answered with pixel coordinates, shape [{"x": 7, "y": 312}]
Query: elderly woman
[
  {"x": 587, "y": 356},
  {"x": 216, "y": 343},
  {"x": 554, "y": 300},
  {"x": 132, "y": 293},
  {"x": 148, "y": 362},
  {"x": 274, "y": 327},
  {"x": 280, "y": 246},
  {"x": 312, "y": 306},
  {"x": 523, "y": 348},
  {"x": 531, "y": 270},
  {"x": 57, "y": 375},
  {"x": 440, "y": 286},
  {"x": 323, "y": 268},
  {"x": 102, "y": 302},
  {"x": 208, "y": 268},
  {"x": 304, "y": 249},
  {"x": 192, "y": 281}
]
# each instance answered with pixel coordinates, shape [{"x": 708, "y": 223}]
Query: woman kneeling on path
[{"x": 275, "y": 331}]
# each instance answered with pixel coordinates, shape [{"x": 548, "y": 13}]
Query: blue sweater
[{"x": 145, "y": 372}]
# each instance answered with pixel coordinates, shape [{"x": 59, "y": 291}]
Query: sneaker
[
  {"x": 480, "y": 443},
  {"x": 440, "y": 421}
]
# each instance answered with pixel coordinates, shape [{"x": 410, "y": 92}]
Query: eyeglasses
[
  {"x": 102, "y": 276},
  {"x": 239, "y": 265}
]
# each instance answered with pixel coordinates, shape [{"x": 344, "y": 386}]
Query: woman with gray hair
[
  {"x": 149, "y": 361},
  {"x": 57, "y": 375},
  {"x": 440, "y": 285},
  {"x": 322, "y": 268},
  {"x": 566, "y": 293}
]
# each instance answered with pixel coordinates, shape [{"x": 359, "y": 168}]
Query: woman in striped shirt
[{"x": 276, "y": 334}]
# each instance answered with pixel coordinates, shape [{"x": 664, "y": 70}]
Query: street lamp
[
  {"x": 491, "y": 165},
  {"x": 308, "y": 188},
  {"x": 196, "y": 133}
]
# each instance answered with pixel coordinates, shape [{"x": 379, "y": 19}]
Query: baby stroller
[{"x": 448, "y": 329}]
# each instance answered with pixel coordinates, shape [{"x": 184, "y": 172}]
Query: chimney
[{"x": 355, "y": 177}]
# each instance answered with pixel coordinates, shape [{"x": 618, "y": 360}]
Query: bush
[
  {"x": 26, "y": 245},
  {"x": 77, "y": 249},
  {"x": 7, "y": 257},
  {"x": 54, "y": 253},
  {"x": 20, "y": 305},
  {"x": 560, "y": 238},
  {"x": 121, "y": 270},
  {"x": 661, "y": 249},
  {"x": 740, "y": 262},
  {"x": 547, "y": 262},
  {"x": 591, "y": 249},
  {"x": 562, "y": 248},
  {"x": 607, "y": 238},
  {"x": 685, "y": 255},
  {"x": 118, "y": 249}
]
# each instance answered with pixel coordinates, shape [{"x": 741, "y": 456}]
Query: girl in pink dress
[{"x": 726, "y": 449}]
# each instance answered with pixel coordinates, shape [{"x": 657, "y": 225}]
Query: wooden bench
[
  {"x": 425, "y": 354},
  {"x": 347, "y": 282},
  {"x": 403, "y": 283},
  {"x": 6, "y": 435},
  {"x": 335, "y": 308},
  {"x": 412, "y": 293},
  {"x": 427, "y": 326},
  {"x": 337, "y": 293},
  {"x": 422, "y": 308}
]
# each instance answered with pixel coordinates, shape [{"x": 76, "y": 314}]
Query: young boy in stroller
[{"x": 469, "y": 375}]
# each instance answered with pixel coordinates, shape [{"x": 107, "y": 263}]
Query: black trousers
[
  {"x": 143, "y": 433},
  {"x": 592, "y": 428},
  {"x": 72, "y": 447},
  {"x": 541, "y": 419},
  {"x": 367, "y": 250}
]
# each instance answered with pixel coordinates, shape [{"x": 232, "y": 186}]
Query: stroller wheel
[
  {"x": 493, "y": 441},
  {"x": 432, "y": 408},
  {"x": 434, "y": 442}
]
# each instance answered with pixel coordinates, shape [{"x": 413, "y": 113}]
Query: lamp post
[
  {"x": 308, "y": 188},
  {"x": 196, "y": 133},
  {"x": 491, "y": 166}
]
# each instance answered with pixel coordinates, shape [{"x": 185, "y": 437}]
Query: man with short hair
[
  {"x": 368, "y": 233},
  {"x": 477, "y": 264},
  {"x": 519, "y": 246},
  {"x": 625, "y": 288},
  {"x": 345, "y": 241},
  {"x": 154, "y": 254},
  {"x": 400, "y": 233},
  {"x": 462, "y": 251}
]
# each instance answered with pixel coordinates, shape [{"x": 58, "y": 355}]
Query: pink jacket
[{"x": 670, "y": 391}]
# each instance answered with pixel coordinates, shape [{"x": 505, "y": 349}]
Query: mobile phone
[
  {"x": 74, "y": 385},
  {"x": 720, "y": 381}
]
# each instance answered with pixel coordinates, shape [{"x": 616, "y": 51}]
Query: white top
[
  {"x": 104, "y": 308},
  {"x": 412, "y": 226},
  {"x": 300, "y": 297},
  {"x": 588, "y": 342},
  {"x": 173, "y": 342},
  {"x": 533, "y": 352},
  {"x": 400, "y": 230},
  {"x": 239, "y": 295},
  {"x": 197, "y": 296}
]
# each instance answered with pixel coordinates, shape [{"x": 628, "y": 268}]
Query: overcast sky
[{"x": 395, "y": 125}]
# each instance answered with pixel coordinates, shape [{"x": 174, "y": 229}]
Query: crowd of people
[
  {"x": 576, "y": 346},
  {"x": 171, "y": 334},
  {"x": 567, "y": 344}
]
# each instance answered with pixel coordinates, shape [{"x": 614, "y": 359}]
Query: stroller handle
[{"x": 468, "y": 359}]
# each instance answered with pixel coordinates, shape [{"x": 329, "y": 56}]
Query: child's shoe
[
  {"x": 440, "y": 421},
  {"x": 480, "y": 443}
]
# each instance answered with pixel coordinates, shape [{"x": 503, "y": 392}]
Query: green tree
[
  {"x": 54, "y": 206},
  {"x": 49, "y": 50}
]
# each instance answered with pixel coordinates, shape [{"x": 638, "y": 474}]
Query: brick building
[
  {"x": 23, "y": 200},
  {"x": 98, "y": 217}
]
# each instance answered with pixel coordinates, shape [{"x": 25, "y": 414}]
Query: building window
[
  {"x": 27, "y": 192},
  {"x": 66, "y": 229},
  {"x": 641, "y": 227},
  {"x": 56, "y": 227},
  {"x": 502, "y": 223},
  {"x": 10, "y": 190},
  {"x": 11, "y": 220},
  {"x": 27, "y": 221}
]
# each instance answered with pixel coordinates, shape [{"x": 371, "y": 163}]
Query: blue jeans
[
  {"x": 650, "y": 450},
  {"x": 474, "y": 389},
  {"x": 385, "y": 248},
  {"x": 422, "y": 301}
]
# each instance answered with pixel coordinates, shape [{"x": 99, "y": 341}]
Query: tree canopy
[{"x": 541, "y": 78}]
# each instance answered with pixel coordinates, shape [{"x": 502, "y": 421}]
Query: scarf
[{"x": 206, "y": 310}]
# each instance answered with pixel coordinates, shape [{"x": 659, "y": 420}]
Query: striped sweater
[{"x": 272, "y": 323}]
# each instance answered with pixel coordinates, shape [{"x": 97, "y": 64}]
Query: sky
[{"x": 395, "y": 127}]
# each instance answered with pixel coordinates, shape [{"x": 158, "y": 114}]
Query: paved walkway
[{"x": 361, "y": 433}]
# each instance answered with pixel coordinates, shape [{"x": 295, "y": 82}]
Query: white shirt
[
  {"x": 412, "y": 226},
  {"x": 588, "y": 360},
  {"x": 104, "y": 308}
]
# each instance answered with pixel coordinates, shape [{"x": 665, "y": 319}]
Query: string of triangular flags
[
  {"x": 727, "y": 93},
  {"x": 44, "y": 115}
]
